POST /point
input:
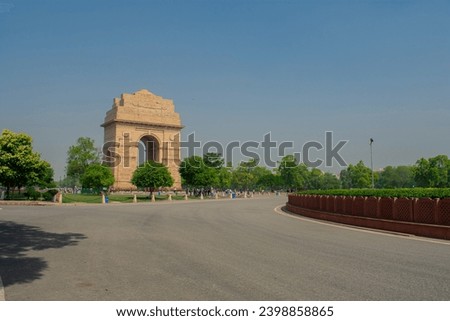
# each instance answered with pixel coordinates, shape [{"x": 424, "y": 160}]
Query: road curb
[
  {"x": 26, "y": 203},
  {"x": 281, "y": 209},
  {"x": 418, "y": 229}
]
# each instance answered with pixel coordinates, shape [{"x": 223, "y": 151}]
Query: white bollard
[
  {"x": 245, "y": 194},
  {"x": 134, "y": 198},
  {"x": 201, "y": 196},
  {"x": 231, "y": 195},
  {"x": 153, "y": 198},
  {"x": 103, "y": 199},
  {"x": 170, "y": 197},
  {"x": 186, "y": 197}
]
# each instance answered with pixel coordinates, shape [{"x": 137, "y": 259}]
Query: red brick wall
[{"x": 423, "y": 210}]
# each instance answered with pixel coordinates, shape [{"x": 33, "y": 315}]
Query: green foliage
[
  {"x": 213, "y": 160},
  {"x": 19, "y": 164},
  {"x": 245, "y": 175},
  {"x": 294, "y": 175},
  {"x": 297, "y": 176},
  {"x": 432, "y": 172},
  {"x": 330, "y": 181},
  {"x": 398, "y": 192},
  {"x": 152, "y": 175},
  {"x": 48, "y": 195},
  {"x": 396, "y": 177},
  {"x": 205, "y": 172},
  {"x": 190, "y": 168},
  {"x": 79, "y": 156},
  {"x": 68, "y": 182},
  {"x": 225, "y": 177},
  {"x": 32, "y": 194},
  {"x": 45, "y": 176},
  {"x": 207, "y": 177},
  {"x": 356, "y": 176},
  {"x": 209, "y": 171},
  {"x": 269, "y": 181},
  {"x": 97, "y": 176}
]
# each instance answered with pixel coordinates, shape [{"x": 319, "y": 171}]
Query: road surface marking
[
  {"x": 359, "y": 229},
  {"x": 2, "y": 291}
]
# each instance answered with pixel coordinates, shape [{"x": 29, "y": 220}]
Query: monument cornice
[{"x": 140, "y": 123}]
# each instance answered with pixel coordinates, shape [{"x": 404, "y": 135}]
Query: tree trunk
[{"x": 151, "y": 191}]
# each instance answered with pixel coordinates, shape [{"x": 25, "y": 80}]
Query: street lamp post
[{"x": 371, "y": 161}]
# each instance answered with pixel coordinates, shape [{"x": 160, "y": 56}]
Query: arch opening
[{"x": 148, "y": 149}]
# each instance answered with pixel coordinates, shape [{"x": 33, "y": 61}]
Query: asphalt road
[{"x": 211, "y": 250}]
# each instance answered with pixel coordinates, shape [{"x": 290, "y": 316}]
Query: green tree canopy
[
  {"x": 294, "y": 175},
  {"x": 19, "y": 164},
  {"x": 356, "y": 176},
  {"x": 190, "y": 168},
  {"x": 396, "y": 177},
  {"x": 97, "y": 176},
  {"x": 45, "y": 176},
  {"x": 213, "y": 160},
  {"x": 152, "y": 175},
  {"x": 268, "y": 180},
  {"x": 432, "y": 172},
  {"x": 242, "y": 177},
  {"x": 225, "y": 177},
  {"x": 205, "y": 172},
  {"x": 79, "y": 156},
  {"x": 330, "y": 181}
]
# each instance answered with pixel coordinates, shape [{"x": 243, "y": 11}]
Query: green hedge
[{"x": 399, "y": 192}]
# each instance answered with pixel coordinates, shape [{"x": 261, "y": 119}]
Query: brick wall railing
[{"x": 414, "y": 210}]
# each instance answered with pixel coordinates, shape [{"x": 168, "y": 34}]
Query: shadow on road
[{"x": 18, "y": 239}]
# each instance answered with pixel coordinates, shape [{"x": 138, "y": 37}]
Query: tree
[
  {"x": 225, "y": 177},
  {"x": 432, "y": 172},
  {"x": 245, "y": 175},
  {"x": 269, "y": 181},
  {"x": 213, "y": 160},
  {"x": 205, "y": 172},
  {"x": 79, "y": 156},
  {"x": 356, "y": 176},
  {"x": 97, "y": 176},
  {"x": 190, "y": 168},
  {"x": 152, "y": 175},
  {"x": 396, "y": 177},
  {"x": 19, "y": 164},
  {"x": 294, "y": 175},
  {"x": 330, "y": 181},
  {"x": 315, "y": 179},
  {"x": 45, "y": 176},
  {"x": 206, "y": 178}
]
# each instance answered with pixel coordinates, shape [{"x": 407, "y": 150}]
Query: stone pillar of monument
[{"x": 139, "y": 127}]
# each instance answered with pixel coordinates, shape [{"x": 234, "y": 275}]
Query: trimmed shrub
[{"x": 399, "y": 192}]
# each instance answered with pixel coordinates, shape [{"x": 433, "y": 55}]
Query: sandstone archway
[{"x": 145, "y": 121}]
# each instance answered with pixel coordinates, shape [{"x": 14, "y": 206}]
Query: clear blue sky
[{"x": 235, "y": 70}]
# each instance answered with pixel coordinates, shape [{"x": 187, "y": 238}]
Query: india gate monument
[{"x": 140, "y": 127}]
